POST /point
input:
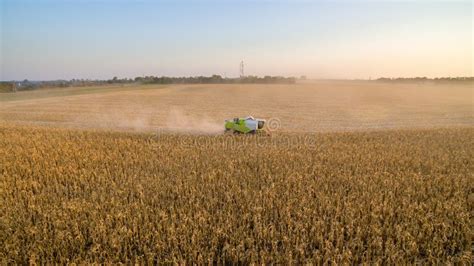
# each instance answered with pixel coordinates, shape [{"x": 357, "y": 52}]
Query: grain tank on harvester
[{"x": 245, "y": 125}]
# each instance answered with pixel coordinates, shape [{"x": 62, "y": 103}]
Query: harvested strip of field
[
  {"x": 396, "y": 197},
  {"x": 305, "y": 107}
]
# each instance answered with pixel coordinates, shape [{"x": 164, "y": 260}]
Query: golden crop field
[
  {"x": 359, "y": 172},
  {"x": 397, "y": 197}
]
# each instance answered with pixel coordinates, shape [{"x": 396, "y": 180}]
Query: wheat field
[{"x": 357, "y": 173}]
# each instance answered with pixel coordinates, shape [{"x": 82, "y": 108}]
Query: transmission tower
[{"x": 242, "y": 69}]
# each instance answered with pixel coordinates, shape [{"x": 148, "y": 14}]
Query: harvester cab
[{"x": 244, "y": 125}]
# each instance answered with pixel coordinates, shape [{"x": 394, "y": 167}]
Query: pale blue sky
[{"x": 53, "y": 39}]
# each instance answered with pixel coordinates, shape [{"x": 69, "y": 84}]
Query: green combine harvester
[{"x": 244, "y": 125}]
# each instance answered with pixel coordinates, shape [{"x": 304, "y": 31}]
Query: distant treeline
[
  {"x": 6, "y": 86},
  {"x": 214, "y": 79},
  {"x": 425, "y": 79},
  {"x": 12, "y": 86}
]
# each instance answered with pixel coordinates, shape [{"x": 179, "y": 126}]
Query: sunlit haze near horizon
[{"x": 45, "y": 40}]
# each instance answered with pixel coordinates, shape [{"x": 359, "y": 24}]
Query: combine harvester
[{"x": 245, "y": 125}]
